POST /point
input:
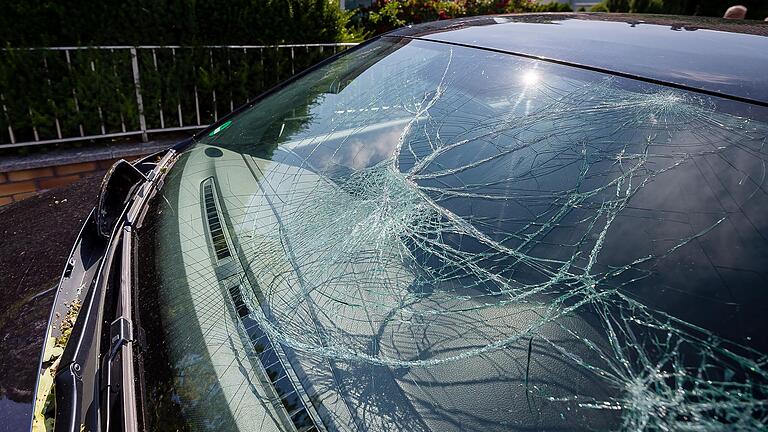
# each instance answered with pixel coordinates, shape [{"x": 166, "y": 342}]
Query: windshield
[{"x": 419, "y": 236}]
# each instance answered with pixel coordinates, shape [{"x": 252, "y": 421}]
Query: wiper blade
[
  {"x": 121, "y": 328},
  {"x": 95, "y": 386}
]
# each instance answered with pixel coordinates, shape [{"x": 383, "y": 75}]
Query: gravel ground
[{"x": 36, "y": 235}]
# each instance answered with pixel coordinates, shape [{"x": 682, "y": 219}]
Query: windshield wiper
[
  {"x": 121, "y": 328},
  {"x": 95, "y": 384}
]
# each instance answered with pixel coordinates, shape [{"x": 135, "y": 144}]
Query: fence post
[
  {"x": 74, "y": 93},
  {"x": 8, "y": 119},
  {"x": 139, "y": 101}
]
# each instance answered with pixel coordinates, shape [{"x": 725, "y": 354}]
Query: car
[{"x": 523, "y": 222}]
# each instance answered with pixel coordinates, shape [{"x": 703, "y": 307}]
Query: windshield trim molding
[{"x": 594, "y": 69}]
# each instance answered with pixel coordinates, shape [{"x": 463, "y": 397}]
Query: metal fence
[{"x": 61, "y": 94}]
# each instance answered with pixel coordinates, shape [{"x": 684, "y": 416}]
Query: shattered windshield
[{"x": 426, "y": 237}]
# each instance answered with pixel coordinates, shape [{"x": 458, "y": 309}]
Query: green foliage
[
  {"x": 485, "y": 7},
  {"x": 756, "y": 9},
  {"x": 173, "y": 22},
  {"x": 650, "y": 6},
  {"x": 551, "y": 7},
  {"x": 39, "y": 89},
  {"x": 386, "y": 15},
  {"x": 45, "y": 97},
  {"x": 618, "y": 5}
]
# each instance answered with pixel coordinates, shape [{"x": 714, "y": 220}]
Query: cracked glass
[{"x": 418, "y": 236}]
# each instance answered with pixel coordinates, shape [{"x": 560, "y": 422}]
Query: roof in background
[{"x": 716, "y": 56}]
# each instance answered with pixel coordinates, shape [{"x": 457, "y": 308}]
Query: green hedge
[
  {"x": 172, "y": 22},
  {"x": 39, "y": 87},
  {"x": 756, "y": 9},
  {"x": 385, "y": 15}
]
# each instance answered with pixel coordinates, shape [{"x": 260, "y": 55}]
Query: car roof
[{"x": 710, "y": 55}]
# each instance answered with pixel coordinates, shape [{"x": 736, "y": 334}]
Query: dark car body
[{"x": 724, "y": 60}]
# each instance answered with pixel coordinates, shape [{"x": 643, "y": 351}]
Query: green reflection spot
[{"x": 220, "y": 128}]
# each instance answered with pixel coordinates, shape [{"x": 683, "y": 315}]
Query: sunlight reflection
[{"x": 530, "y": 78}]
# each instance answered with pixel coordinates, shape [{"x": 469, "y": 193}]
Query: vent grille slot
[
  {"x": 276, "y": 373},
  {"x": 218, "y": 239}
]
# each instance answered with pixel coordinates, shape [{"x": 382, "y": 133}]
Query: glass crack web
[{"x": 558, "y": 214}]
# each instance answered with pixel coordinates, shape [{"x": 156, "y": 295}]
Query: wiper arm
[
  {"x": 121, "y": 348},
  {"x": 121, "y": 328},
  {"x": 95, "y": 382}
]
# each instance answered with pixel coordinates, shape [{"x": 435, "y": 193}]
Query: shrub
[
  {"x": 386, "y": 15},
  {"x": 152, "y": 22},
  {"x": 486, "y": 7},
  {"x": 552, "y": 7}
]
